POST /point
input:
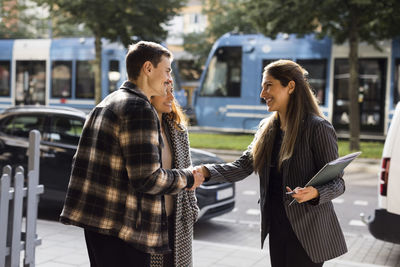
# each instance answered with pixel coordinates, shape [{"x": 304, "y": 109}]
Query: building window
[
  {"x": 84, "y": 80},
  {"x": 194, "y": 18},
  {"x": 61, "y": 79},
  {"x": 223, "y": 77}
]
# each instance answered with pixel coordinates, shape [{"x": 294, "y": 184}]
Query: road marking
[
  {"x": 235, "y": 210},
  {"x": 209, "y": 244},
  {"x": 250, "y": 223},
  {"x": 338, "y": 200},
  {"x": 360, "y": 203},
  {"x": 356, "y": 223},
  {"x": 253, "y": 212},
  {"x": 249, "y": 193},
  {"x": 351, "y": 263},
  {"x": 223, "y": 220}
]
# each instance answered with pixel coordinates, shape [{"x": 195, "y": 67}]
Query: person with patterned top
[
  {"x": 182, "y": 209},
  {"x": 117, "y": 184}
]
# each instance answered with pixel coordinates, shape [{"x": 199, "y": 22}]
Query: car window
[
  {"x": 21, "y": 125},
  {"x": 66, "y": 130}
]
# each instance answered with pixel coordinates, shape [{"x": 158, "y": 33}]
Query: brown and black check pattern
[{"x": 116, "y": 185}]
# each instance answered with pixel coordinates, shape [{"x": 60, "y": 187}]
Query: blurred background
[{"x": 59, "y": 58}]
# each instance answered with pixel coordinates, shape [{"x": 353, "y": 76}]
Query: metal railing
[{"x": 14, "y": 198}]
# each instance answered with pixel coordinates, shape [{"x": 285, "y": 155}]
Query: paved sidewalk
[{"x": 64, "y": 246}]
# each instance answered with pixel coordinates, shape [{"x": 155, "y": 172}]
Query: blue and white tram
[
  {"x": 56, "y": 71},
  {"x": 227, "y": 98},
  {"x": 59, "y": 72}
]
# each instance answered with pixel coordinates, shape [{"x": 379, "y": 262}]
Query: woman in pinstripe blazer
[
  {"x": 288, "y": 149},
  {"x": 181, "y": 209}
]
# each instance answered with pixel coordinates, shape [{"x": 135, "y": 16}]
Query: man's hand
[
  {"x": 198, "y": 179},
  {"x": 303, "y": 194}
]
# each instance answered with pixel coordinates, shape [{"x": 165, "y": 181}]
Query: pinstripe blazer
[{"x": 314, "y": 222}]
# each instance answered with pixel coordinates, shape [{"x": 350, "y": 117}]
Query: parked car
[
  {"x": 385, "y": 223},
  {"x": 61, "y": 128}
]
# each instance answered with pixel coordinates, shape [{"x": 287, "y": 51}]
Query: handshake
[{"x": 200, "y": 173}]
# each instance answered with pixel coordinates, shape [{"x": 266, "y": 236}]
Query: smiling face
[
  {"x": 163, "y": 104},
  {"x": 275, "y": 94},
  {"x": 160, "y": 77}
]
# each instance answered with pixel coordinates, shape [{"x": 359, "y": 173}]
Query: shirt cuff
[{"x": 189, "y": 179}]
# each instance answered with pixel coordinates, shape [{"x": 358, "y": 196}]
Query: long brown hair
[
  {"x": 301, "y": 102},
  {"x": 177, "y": 116}
]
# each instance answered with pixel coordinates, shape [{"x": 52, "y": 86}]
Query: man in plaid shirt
[{"x": 117, "y": 184}]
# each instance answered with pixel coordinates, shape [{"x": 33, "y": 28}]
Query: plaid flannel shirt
[{"x": 117, "y": 183}]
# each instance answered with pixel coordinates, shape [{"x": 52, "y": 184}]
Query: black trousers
[
  {"x": 110, "y": 251},
  {"x": 287, "y": 251},
  {"x": 284, "y": 247},
  {"x": 168, "y": 259}
]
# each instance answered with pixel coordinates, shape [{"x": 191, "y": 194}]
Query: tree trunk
[
  {"x": 354, "y": 108},
  {"x": 97, "y": 70}
]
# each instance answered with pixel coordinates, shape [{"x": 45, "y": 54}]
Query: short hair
[{"x": 141, "y": 52}]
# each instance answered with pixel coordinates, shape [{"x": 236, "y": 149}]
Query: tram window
[
  {"x": 4, "y": 78},
  {"x": 396, "y": 93},
  {"x": 316, "y": 69},
  {"x": 371, "y": 94},
  {"x": 114, "y": 75},
  {"x": 61, "y": 77},
  {"x": 30, "y": 82},
  {"x": 223, "y": 77},
  {"x": 84, "y": 79}
]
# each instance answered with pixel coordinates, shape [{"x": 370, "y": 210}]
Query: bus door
[
  {"x": 30, "y": 85},
  {"x": 371, "y": 95}
]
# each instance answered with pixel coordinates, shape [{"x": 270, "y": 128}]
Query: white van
[{"x": 385, "y": 224}]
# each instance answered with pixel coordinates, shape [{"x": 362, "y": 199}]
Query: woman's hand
[{"x": 303, "y": 194}]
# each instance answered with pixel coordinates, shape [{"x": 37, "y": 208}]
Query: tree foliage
[
  {"x": 353, "y": 21},
  {"x": 18, "y": 21},
  {"x": 227, "y": 16},
  {"x": 376, "y": 20},
  {"x": 223, "y": 16},
  {"x": 116, "y": 20}
]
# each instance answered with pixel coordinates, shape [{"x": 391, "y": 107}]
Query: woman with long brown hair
[
  {"x": 289, "y": 148},
  {"x": 181, "y": 209}
]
